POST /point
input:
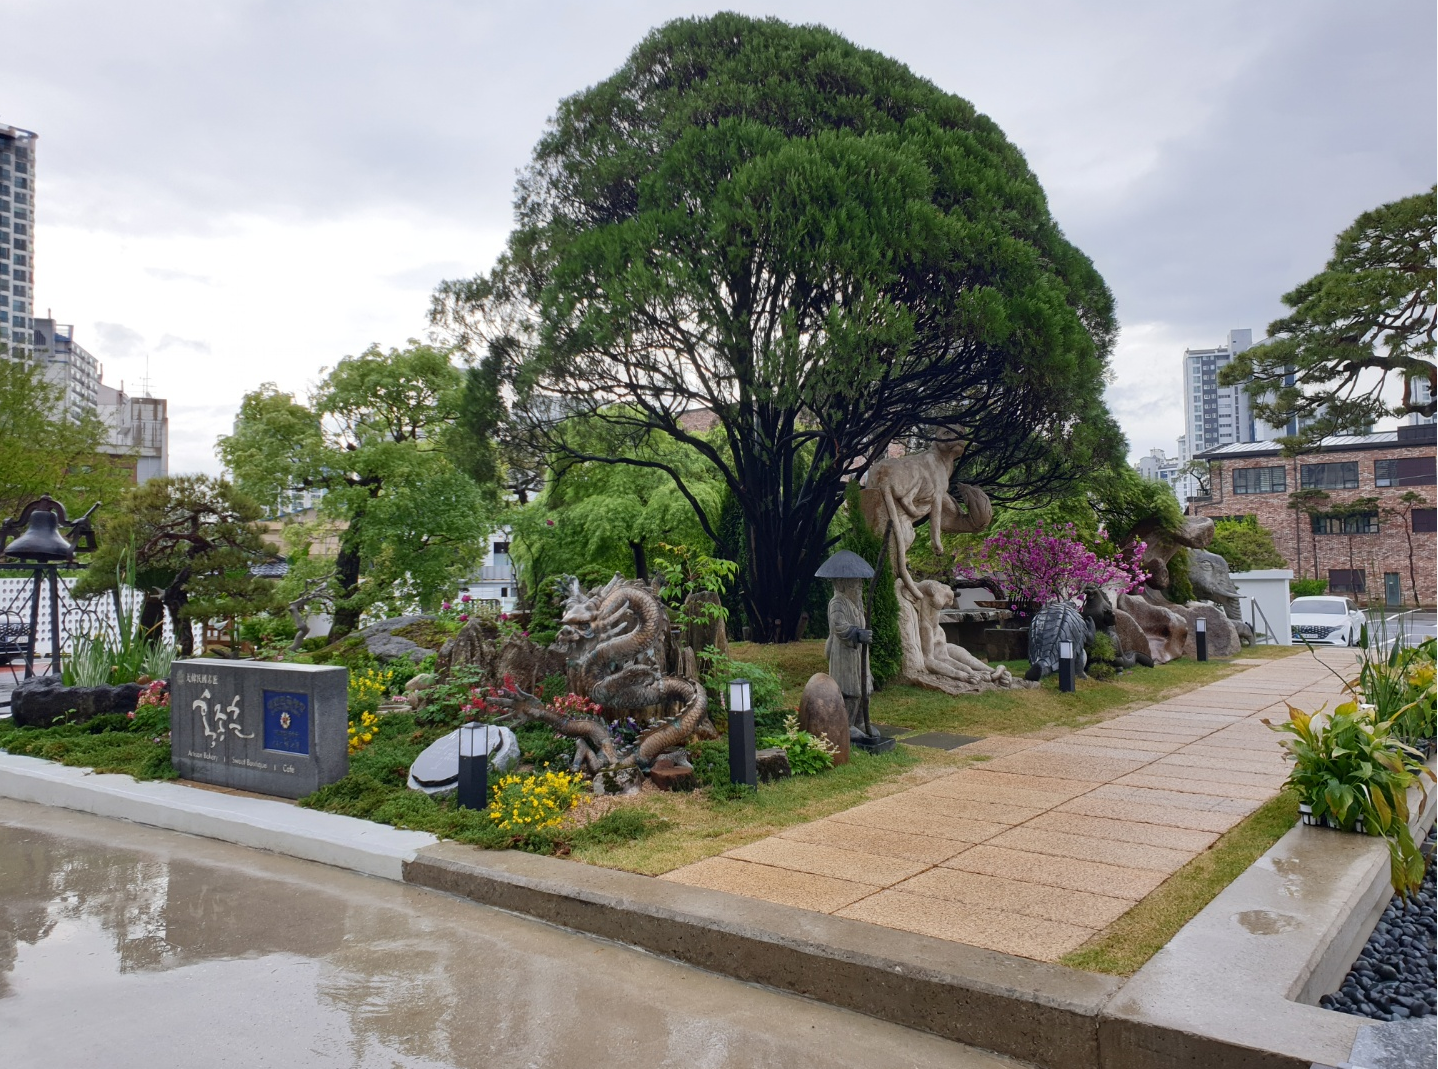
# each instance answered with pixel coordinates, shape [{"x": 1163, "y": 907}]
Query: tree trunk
[
  {"x": 641, "y": 560},
  {"x": 347, "y": 571}
]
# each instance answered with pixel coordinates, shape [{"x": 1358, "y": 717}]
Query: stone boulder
[
  {"x": 528, "y": 664},
  {"x": 385, "y": 646},
  {"x": 44, "y": 701},
  {"x": 436, "y": 769},
  {"x": 822, "y": 712},
  {"x": 1223, "y": 637},
  {"x": 772, "y": 763},
  {"x": 672, "y": 772},
  {"x": 476, "y": 645},
  {"x": 1131, "y": 639},
  {"x": 1165, "y": 630}
]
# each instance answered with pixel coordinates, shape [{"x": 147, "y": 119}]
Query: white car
[{"x": 1327, "y": 620}]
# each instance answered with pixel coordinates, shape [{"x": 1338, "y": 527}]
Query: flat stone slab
[
  {"x": 1070, "y": 831},
  {"x": 941, "y": 740}
]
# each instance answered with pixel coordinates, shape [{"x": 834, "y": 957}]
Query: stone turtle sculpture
[{"x": 1056, "y": 622}]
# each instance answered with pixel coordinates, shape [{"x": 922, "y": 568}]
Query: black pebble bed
[{"x": 1396, "y": 975}]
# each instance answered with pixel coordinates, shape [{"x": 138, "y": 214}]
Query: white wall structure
[
  {"x": 83, "y": 618},
  {"x": 1263, "y": 598},
  {"x": 139, "y": 428},
  {"x": 495, "y": 583}
]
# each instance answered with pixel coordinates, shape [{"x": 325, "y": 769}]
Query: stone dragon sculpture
[{"x": 613, "y": 638}]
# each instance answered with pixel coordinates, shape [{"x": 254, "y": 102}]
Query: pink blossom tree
[{"x": 1038, "y": 565}]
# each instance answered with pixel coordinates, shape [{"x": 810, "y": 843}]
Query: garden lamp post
[
  {"x": 1200, "y": 638},
  {"x": 1066, "y": 667},
  {"x": 742, "y": 766},
  {"x": 473, "y": 786}
]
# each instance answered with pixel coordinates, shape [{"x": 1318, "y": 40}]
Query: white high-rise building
[
  {"x": 139, "y": 431},
  {"x": 68, "y": 366},
  {"x": 1214, "y": 415},
  {"x": 17, "y": 240}
]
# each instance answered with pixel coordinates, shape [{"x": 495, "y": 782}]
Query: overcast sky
[{"x": 240, "y": 191}]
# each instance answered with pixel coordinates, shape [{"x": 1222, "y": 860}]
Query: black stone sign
[{"x": 279, "y": 729}]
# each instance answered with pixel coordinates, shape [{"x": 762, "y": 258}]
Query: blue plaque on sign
[{"x": 287, "y": 722}]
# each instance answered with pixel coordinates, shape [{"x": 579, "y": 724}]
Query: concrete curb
[
  {"x": 1041, "y": 1013},
  {"x": 1238, "y": 985},
  {"x": 346, "y": 842}
]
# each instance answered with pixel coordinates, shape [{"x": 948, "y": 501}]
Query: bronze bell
[{"x": 42, "y": 541}]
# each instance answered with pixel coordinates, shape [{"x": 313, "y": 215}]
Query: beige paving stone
[
  {"x": 957, "y": 786},
  {"x": 1065, "y": 766},
  {"x": 1177, "y": 799},
  {"x": 1205, "y": 788},
  {"x": 1170, "y": 740},
  {"x": 880, "y": 841},
  {"x": 824, "y": 860},
  {"x": 1125, "y": 831},
  {"x": 803, "y": 890},
  {"x": 1165, "y": 815},
  {"x": 1108, "y": 851},
  {"x": 998, "y": 746},
  {"x": 1030, "y": 899},
  {"x": 1239, "y": 760},
  {"x": 1116, "y": 881},
  {"x": 1107, "y": 746},
  {"x": 991, "y": 929},
  {"x": 987, "y": 775},
  {"x": 1179, "y": 770},
  {"x": 908, "y": 818}
]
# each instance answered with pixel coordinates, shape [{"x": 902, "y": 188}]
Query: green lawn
[{"x": 1002, "y": 712}]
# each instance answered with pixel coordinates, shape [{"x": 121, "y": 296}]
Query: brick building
[{"x": 1337, "y": 513}]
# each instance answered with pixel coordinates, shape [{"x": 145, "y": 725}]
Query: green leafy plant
[
  {"x": 97, "y": 660},
  {"x": 1308, "y": 588},
  {"x": 766, "y": 692},
  {"x": 1350, "y": 770},
  {"x": 808, "y": 754},
  {"x": 687, "y": 571}
]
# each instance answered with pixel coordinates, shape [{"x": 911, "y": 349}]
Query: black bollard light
[
  {"x": 742, "y": 768},
  {"x": 1200, "y": 639},
  {"x": 1066, "y": 667},
  {"x": 473, "y": 787}
]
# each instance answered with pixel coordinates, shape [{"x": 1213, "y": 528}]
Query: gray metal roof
[{"x": 1337, "y": 443}]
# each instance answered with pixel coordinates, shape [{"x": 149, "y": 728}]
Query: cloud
[
  {"x": 167, "y": 275},
  {"x": 169, "y": 341},
  {"x": 427, "y": 276},
  {"x": 119, "y": 342}
]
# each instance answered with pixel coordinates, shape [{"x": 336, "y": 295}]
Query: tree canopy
[
  {"x": 1367, "y": 318},
  {"x": 801, "y": 238},
  {"x": 44, "y": 453},
  {"x": 191, "y": 540},
  {"x": 410, "y": 524}
]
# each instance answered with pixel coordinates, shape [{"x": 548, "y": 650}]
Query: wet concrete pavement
[{"x": 127, "y": 946}]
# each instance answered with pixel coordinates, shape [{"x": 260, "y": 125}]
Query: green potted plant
[{"x": 1351, "y": 773}]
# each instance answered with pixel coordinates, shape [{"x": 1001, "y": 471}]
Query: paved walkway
[{"x": 1036, "y": 850}]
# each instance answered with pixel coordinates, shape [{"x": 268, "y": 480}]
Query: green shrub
[
  {"x": 1307, "y": 588},
  {"x": 808, "y": 755},
  {"x": 1101, "y": 671},
  {"x": 542, "y": 746},
  {"x": 1245, "y": 546},
  {"x": 766, "y": 692},
  {"x": 1180, "y": 587},
  {"x": 553, "y": 686},
  {"x": 1101, "y": 648},
  {"x": 266, "y": 628}
]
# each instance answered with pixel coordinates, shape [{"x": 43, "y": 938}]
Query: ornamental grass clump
[
  {"x": 1354, "y": 775},
  {"x": 1036, "y": 566},
  {"x": 532, "y": 803}
]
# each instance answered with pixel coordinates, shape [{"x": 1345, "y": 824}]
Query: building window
[
  {"x": 1425, "y": 520},
  {"x": 1346, "y": 581},
  {"x": 1407, "y": 471},
  {"x": 1330, "y": 476},
  {"x": 504, "y": 591},
  {"x": 1350, "y": 524},
  {"x": 1260, "y": 480},
  {"x": 501, "y": 547}
]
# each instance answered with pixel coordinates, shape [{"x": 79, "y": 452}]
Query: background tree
[
  {"x": 1403, "y": 513},
  {"x": 1308, "y": 503},
  {"x": 410, "y": 524},
  {"x": 1206, "y": 474},
  {"x": 1366, "y": 318},
  {"x": 1245, "y": 546},
  {"x": 193, "y": 540},
  {"x": 41, "y": 453},
  {"x": 823, "y": 251},
  {"x": 485, "y": 442}
]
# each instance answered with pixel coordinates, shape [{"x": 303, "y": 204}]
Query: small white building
[{"x": 494, "y": 584}]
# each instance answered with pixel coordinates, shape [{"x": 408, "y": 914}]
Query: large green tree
[
  {"x": 191, "y": 541},
  {"x": 410, "y": 524},
  {"x": 43, "y": 453},
  {"x": 1367, "y": 319},
  {"x": 804, "y": 239}
]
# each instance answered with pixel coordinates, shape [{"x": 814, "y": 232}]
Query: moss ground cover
[
  {"x": 1123, "y": 947},
  {"x": 110, "y": 743}
]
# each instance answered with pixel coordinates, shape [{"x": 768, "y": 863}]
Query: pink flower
[
  {"x": 130, "y": 715},
  {"x": 503, "y": 616},
  {"x": 445, "y": 606},
  {"x": 524, "y": 634},
  {"x": 464, "y": 617},
  {"x": 549, "y": 523},
  {"x": 466, "y": 599}
]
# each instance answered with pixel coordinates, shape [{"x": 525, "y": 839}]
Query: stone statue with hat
[{"x": 850, "y": 637}]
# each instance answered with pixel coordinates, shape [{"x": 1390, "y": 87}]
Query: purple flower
[
  {"x": 464, "y": 617},
  {"x": 466, "y": 599},
  {"x": 445, "y": 606}
]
